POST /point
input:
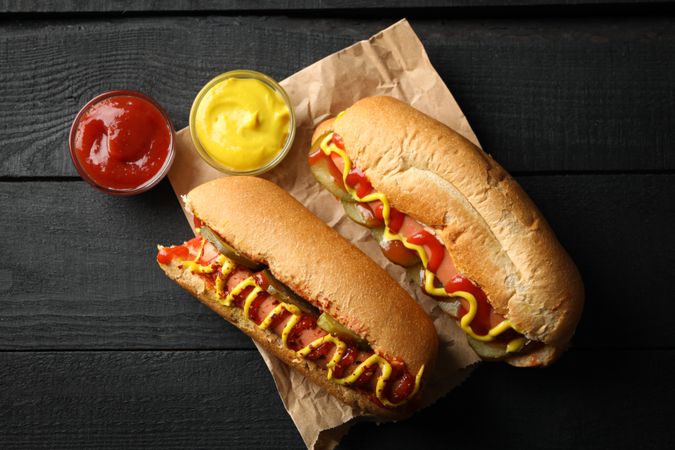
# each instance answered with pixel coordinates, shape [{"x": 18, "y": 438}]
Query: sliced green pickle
[
  {"x": 395, "y": 251},
  {"x": 279, "y": 290},
  {"x": 493, "y": 351},
  {"x": 224, "y": 248},
  {"x": 361, "y": 214},
  {"x": 328, "y": 177},
  {"x": 332, "y": 326}
]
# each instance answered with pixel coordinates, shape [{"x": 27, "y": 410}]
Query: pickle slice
[
  {"x": 279, "y": 290},
  {"x": 328, "y": 177},
  {"x": 491, "y": 351},
  {"x": 361, "y": 214},
  {"x": 395, "y": 251},
  {"x": 224, "y": 248},
  {"x": 332, "y": 326}
]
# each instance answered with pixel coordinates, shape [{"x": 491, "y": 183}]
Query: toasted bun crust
[
  {"x": 272, "y": 343},
  {"x": 493, "y": 231},
  {"x": 266, "y": 224}
]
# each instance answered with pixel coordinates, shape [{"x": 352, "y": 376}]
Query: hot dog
[
  {"x": 270, "y": 267},
  {"x": 434, "y": 199}
]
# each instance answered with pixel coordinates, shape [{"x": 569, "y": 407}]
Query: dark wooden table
[{"x": 99, "y": 350}]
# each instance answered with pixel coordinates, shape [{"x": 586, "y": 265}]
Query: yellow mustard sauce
[
  {"x": 194, "y": 265},
  {"x": 242, "y": 123},
  {"x": 429, "y": 277},
  {"x": 228, "y": 265}
]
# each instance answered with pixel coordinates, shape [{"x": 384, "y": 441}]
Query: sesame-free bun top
[
  {"x": 264, "y": 223},
  {"x": 495, "y": 234}
]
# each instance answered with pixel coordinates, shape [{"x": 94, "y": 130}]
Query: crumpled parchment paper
[{"x": 392, "y": 62}]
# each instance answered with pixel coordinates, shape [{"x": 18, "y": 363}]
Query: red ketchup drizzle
[
  {"x": 358, "y": 181},
  {"x": 436, "y": 249},
  {"x": 239, "y": 298},
  {"x": 320, "y": 353},
  {"x": 366, "y": 376},
  {"x": 401, "y": 387},
  {"x": 395, "y": 220},
  {"x": 395, "y": 216},
  {"x": 378, "y": 209},
  {"x": 167, "y": 254},
  {"x": 306, "y": 322},
  {"x": 481, "y": 322},
  {"x": 255, "y": 306},
  {"x": 337, "y": 140},
  {"x": 347, "y": 360}
]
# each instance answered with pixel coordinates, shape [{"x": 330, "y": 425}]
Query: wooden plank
[
  {"x": 79, "y": 268},
  {"x": 126, "y": 6},
  {"x": 618, "y": 230},
  {"x": 609, "y": 400},
  {"x": 588, "y": 400},
  {"x": 110, "y": 400},
  {"x": 80, "y": 272},
  {"x": 567, "y": 95}
]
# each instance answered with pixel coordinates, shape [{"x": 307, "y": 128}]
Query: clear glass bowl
[
  {"x": 144, "y": 186},
  {"x": 245, "y": 74}
]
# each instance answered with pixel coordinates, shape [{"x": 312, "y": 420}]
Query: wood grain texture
[
  {"x": 219, "y": 399},
  {"x": 82, "y": 272},
  {"x": 618, "y": 230},
  {"x": 554, "y": 95},
  {"x": 588, "y": 400},
  {"x": 125, "y": 6},
  {"x": 109, "y": 400},
  {"x": 152, "y": 368}
]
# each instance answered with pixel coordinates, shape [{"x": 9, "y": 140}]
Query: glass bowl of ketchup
[{"x": 122, "y": 142}]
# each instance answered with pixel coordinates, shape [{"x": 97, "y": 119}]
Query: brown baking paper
[{"x": 392, "y": 62}]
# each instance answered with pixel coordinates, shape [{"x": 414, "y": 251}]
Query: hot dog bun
[
  {"x": 272, "y": 343},
  {"x": 264, "y": 223},
  {"x": 493, "y": 231}
]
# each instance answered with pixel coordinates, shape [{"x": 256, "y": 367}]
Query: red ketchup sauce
[
  {"x": 122, "y": 141},
  {"x": 358, "y": 181},
  {"x": 183, "y": 252},
  {"x": 481, "y": 323},
  {"x": 437, "y": 252},
  {"x": 167, "y": 254},
  {"x": 400, "y": 384}
]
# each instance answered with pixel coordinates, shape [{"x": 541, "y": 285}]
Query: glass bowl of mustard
[{"x": 242, "y": 123}]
